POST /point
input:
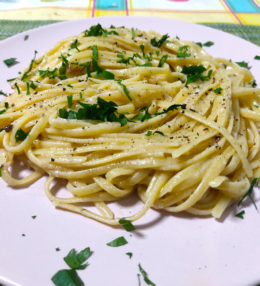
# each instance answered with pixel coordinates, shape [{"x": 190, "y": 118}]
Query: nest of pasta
[{"x": 116, "y": 111}]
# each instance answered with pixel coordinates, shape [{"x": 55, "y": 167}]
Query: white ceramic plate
[{"x": 174, "y": 250}]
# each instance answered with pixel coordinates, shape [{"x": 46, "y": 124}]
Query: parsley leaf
[
  {"x": 75, "y": 260},
  {"x": 194, "y": 73},
  {"x": 98, "y": 30},
  {"x": 95, "y": 67},
  {"x": 143, "y": 116},
  {"x": 11, "y": 62},
  {"x": 149, "y": 133},
  {"x": 145, "y": 276},
  {"x": 243, "y": 64},
  {"x": 69, "y": 99},
  {"x": 26, "y": 37},
  {"x": 171, "y": 107},
  {"x": 162, "y": 61},
  {"x": 26, "y": 74},
  {"x": 2, "y": 93},
  {"x": 67, "y": 277},
  {"x": 2, "y": 111},
  {"x": 49, "y": 73},
  {"x": 218, "y": 90},
  {"x": 257, "y": 57},
  {"x": 117, "y": 242},
  {"x": 250, "y": 192},
  {"x": 240, "y": 214},
  {"x": 206, "y": 44},
  {"x": 63, "y": 68},
  {"x": 126, "y": 91},
  {"x": 182, "y": 52},
  {"x": 123, "y": 60},
  {"x": 253, "y": 83},
  {"x": 74, "y": 45},
  {"x": 159, "y": 43},
  {"x": 102, "y": 111},
  {"x": 127, "y": 224},
  {"x": 129, "y": 254},
  {"x": 17, "y": 87},
  {"x": 20, "y": 135}
]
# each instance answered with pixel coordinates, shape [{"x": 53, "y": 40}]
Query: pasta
[{"x": 116, "y": 111}]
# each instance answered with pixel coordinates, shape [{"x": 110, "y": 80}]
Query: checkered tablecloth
[{"x": 240, "y": 17}]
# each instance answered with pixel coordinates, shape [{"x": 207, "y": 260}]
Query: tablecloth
[{"x": 239, "y": 17}]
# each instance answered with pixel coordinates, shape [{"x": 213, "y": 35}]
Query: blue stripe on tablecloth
[
  {"x": 110, "y": 4},
  {"x": 243, "y": 6}
]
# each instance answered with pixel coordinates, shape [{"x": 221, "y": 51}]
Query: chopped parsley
[
  {"x": 127, "y": 224},
  {"x": 243, "y": 64},
  {"x": 69, "y": 99},
  {"x": 195, "y": 73},
  {"x": 26, "y": 37},
  {"x": 117, "y": 242},
  {"x": 2, "y": 93},
  {"x": 11, "y": 62},
  {"x": 67, "y": 277},
  {"x": 250, "y": 192},
  {"x": 27, "y": 88},
  {"x": 253, "y": 83},
  {"x": 206, "y": 44},
  {"x": 145, "y": 276},
  {"x": 34, "y": 216},
  {"x": 240, "y": 214},
  {"x": 149, "y": 133},
  {"x": 129, "y": 254},
  {"x": 96, "y": 68},
  {"x": 143, "y": 116},
  {"x": 103, "y": 111},
  {"x": 162, "y": 61},
  {"x": 75, "y": 261},
  {"x": 257, "y": 57},
  {"x": 126, "y": 91},
  {"x": 218, "y": 90},
  {"x": 171, "y": 107},
  {"x": 159, "y": 43},
  {"x": 0, "y": 172},
  {"x": 182, "y": 52},
  {"x": 26, "y": 74},
  {"x": 17, "y": 87},
  {"x": 123, "y": 60},
  {"x": 74, "y": 45},
  {"x": 98, "y": 30},
  {"x": 2, "y": 111},
  {"x": 20, "y": 135},
  {"x": 63, "y": 68},
  {"x": 49, "y": 73}
]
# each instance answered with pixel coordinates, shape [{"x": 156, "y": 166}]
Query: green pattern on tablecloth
[{"x": 9, "y": 28}]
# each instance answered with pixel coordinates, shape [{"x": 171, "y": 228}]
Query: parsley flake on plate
[
  {"x": 145, "y": 276},
  {"x": 206, "y": 44},
  {"x": 117, "y": 242},
  {"x": 240, "y": 214},
  {"x": 249, "y": 193},
  {"x": 127, "y": 224},
  {"x": 11, "y": 62}
]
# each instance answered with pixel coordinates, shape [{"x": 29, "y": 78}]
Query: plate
[{"x": 173, "y": 249}]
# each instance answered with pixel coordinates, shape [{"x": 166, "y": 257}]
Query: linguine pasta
[{"x": 118, "y": 111}]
